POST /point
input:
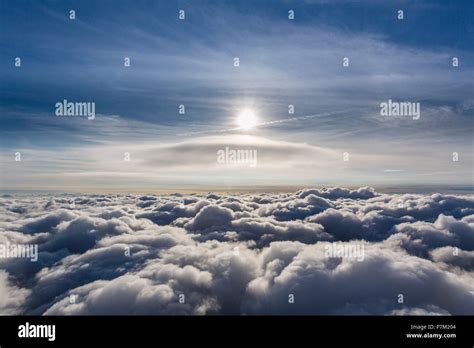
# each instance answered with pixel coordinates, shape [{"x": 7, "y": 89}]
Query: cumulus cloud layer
[{"x": 255, "y": 253}]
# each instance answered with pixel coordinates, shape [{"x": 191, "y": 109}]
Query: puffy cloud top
[{"x": 315, "y": 251}]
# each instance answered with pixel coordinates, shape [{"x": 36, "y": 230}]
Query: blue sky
[{"x": 190, "y": 62}]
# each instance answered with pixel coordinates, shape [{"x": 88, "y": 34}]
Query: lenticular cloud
[{"x": 268, "y": 253}]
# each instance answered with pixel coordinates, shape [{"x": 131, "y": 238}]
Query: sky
[{"x": 190, "y": 62}]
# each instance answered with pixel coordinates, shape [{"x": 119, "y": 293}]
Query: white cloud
[
  {"x": 240, "y": 254},
  {"x": 12, "y": 298}
]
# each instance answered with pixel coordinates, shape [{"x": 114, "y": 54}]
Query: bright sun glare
[{"x": 247, "y": 119}]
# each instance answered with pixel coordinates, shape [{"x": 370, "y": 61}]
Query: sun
[{"x": 247, "y": 119}]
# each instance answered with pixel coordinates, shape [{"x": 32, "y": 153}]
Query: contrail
[{"x": 262, "y": 124}]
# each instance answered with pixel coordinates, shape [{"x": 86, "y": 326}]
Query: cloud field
[{"x": 249, "y": 253}]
